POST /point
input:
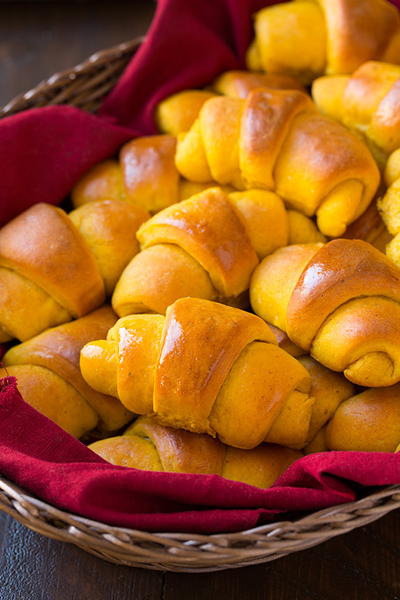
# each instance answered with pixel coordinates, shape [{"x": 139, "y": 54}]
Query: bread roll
[
  {"x": 206, "y": 368},
  {"x": 153, "y": 447},
  {"x": 339, "y": 302},
  {"x": 49, "y": 378}
]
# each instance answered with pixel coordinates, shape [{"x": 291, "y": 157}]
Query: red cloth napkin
[
  {"x": 43, "y": 152},
  {"x": 44, "y": 459}
]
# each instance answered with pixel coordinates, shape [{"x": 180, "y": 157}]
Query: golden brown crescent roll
[
  {"x": 207, "y": 368},
  {"x": 307, "y": 38},
  {"x": 367, "y": 101},
  {"x": 150, "y": 446},
  {"x": 205, "y": 247},
  {"x": 277, "y": 140},
  {"x": 338, "y": 301},
  {"x": 145, "y": 176},
  {"x": 368, "y": 421},
  {"x": 177, "y": 113},
  {"x": 48, "y": 376},
  {"x": 55, "y": 267}
]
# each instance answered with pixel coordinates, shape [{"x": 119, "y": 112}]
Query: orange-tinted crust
[
  {"x": 102, "y": 182},
  {"x": 339, "y": 271},
  {"x": 305, "y": 38},
  {"x": 109, "y": 229},
  {"x": 276, "y": 140},
  {"x": 367, "y": 422},
  {"x": 149, "y": 173},
  {"x": 43, "y": 245},
  {"x": 207, "y": 368},
  {"x": 267, "y": 120},
  {"x": 340, "y": 302},
  {"x": 58, "y": 350},
  {"x": 207, "y": 228},
  {"x": 186, "y": 381},
  {"x": 148, "y": 445}
]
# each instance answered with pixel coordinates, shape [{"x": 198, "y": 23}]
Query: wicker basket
[{"x": 85, "y": 86}]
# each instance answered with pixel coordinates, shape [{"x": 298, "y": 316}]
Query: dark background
[{"x": 38, "y": 39}]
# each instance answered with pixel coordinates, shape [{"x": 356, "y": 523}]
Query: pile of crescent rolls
[{"x": 224, "y": 296}]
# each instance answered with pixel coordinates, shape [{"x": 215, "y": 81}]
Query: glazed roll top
[
  {"x": 109, "y": 229},
  {"x": 206, "y": 368},
  {"x": 177, "y": 113},
  {"x": 368, "y": 422},
  {"x": 276, "y": 140},
  {"x": 340, "y": 302},
  {"x": 47, "y": 273},
  {"x": 367, "y": 101},
  {"x": 150, "y": 177},
  {"x": 145, "y": 176},
  {"x": 308, "y": 38},
  {"x": 49, "y": 378},
  {"x": 54, "y": 268},
  {"x": 102, "y": 182},
  {"x": 207, "y": 247},
  {"x": 148, "y": 445}
]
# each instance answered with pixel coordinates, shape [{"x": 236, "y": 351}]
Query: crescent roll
[
  {"x": 49, "y": 378},
  {"x": 153, "y": 447},
  {"x": 207, "y": 247},
  {"x": 277, "y": 140},
  {"x": 205, "y": 368},
  {"x": 56, "y": 267},
  {"x": 307, "y": 38},
  {"x": 339, "y": 302}
]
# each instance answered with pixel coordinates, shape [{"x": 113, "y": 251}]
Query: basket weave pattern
[
  {"x": 85, "y": 86},
  {"x": 194, "y": 552}
]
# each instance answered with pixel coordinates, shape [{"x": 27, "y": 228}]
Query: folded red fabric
[
  {"x": 44, "y": 459},
  {"x": 214, "y": 36},
  {"x": 43, "y": 152}
]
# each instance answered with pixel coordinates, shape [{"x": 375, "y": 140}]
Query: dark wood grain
[
  {"x": 33, "y": 567},
  {"x": 362, "y": 565},
  {"x": 37, "y": 40}
]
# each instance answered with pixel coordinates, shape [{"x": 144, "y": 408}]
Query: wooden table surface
[{"x": 36, "y": 40}]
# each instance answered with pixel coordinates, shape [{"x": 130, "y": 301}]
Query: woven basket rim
[
  {"x": 195, "y": 552},
  {"x": 23, "y": 100},
  {"x": 84, "y": 86}
]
